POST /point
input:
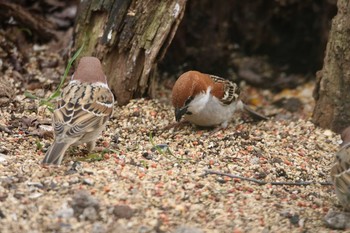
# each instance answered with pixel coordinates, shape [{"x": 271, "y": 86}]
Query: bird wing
[
  {"x": 82, "y": 108},
  {"x": 340, "y": 172},
  {"x": 231, "y": 90}
]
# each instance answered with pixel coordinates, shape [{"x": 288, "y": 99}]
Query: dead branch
[{"x": 261, "y": 182}]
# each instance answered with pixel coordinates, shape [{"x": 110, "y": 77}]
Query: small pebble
[
  {"x": 187, "y": 229},
  {"x": 3, "y": 157},
  {"x": 35, "y": 195},
  {"x": 123, "y": 211},
  {"x": 88, "y": 181},
  {"x": 338, "y": 220}
]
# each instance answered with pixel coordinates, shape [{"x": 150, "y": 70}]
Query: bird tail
[
  {"x": 55, "y": 154},
  {"x": 253, "y": 113}
]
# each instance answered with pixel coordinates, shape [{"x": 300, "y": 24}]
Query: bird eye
[{"x": 188, "y": 101}]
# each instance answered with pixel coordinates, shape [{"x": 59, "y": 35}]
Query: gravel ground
[{"x": 147, "y": 181}]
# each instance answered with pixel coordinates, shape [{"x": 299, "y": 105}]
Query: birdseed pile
[{"x": 145, "y": 180}]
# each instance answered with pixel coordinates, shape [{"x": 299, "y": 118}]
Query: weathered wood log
[
  {"x": 332, "y": 92},
  {"x": 129, "y": 37}
]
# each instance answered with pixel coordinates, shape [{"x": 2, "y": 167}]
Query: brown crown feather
[
  {"x": 89, "y": 70},
  {"x": 190, "y": 84}
]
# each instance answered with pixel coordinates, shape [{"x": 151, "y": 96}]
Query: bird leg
[{"x": 90, "y": 145}]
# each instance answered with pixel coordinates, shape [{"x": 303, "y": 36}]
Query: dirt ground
[{"x": 147, "y": 181}]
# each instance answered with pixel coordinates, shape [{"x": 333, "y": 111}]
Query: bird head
[
  {"x": 89, "y": 70},
  {"x": 345, "y": 136},
  {"x": 185, "y": 90}
]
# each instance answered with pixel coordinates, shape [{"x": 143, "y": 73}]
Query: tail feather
[
  {"x": 254, "y": 114},
  {"x": 56, "y": 153}
]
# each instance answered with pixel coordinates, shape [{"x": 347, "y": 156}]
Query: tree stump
[
  {"x": 332, "y": 91},
  {"x": 129, "y": 37}
]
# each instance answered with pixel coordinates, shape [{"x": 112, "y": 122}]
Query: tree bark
[
  {"x": 129, "y": 37},
  {"x": 332, "y": 91}
]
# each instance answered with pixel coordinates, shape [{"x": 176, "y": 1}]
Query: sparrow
[
  {"x": 207, "y": 100},
  {"x": 340, "y": 171},
  {"x": 82, "y": 111}
]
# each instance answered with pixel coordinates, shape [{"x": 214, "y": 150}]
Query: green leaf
[
  {"x": 63, "y": 79},
  {"x": 54, "y": 95},
  {"x": 30, "y": 95},
  {"x": 48, "y": 102},
  {"x": 144, "y": 163},
  {"x": 44, "y": 102},
  {"x": 39, "y": 145},
  {"x": 108, "y": 150},
  {"x": 92, "y": 157},
  {"x": 51, "y": 109},
  {"x": 167, "y": 151},
  {"x": 70, "y": 62},
  {"x": 26, "y": 30}
]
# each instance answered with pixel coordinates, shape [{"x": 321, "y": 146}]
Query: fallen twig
[
  {"x": 261, "y": 182},
  {"x": 175, "y": 125}
]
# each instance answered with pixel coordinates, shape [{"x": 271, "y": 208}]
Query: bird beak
[{"x": 179, "y": 112}]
